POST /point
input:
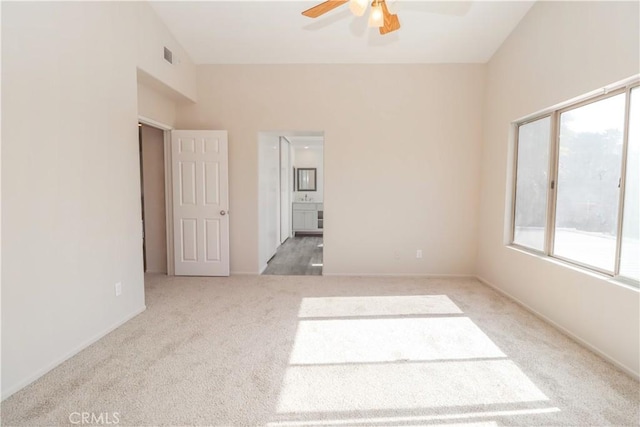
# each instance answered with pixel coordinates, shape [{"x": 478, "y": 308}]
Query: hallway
[{"x": 298, "y": 256}]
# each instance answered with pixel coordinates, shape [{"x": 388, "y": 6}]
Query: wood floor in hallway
[{"x": 298, "y": 256}]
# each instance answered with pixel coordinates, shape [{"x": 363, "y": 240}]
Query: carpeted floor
[{"x": 330, "y": 351}]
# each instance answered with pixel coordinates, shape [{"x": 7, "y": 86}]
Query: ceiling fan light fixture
[
  {"x": 376, "y": 17},
  {"x": 380, "y": 16},
  {"x": 358, "y": 7}
]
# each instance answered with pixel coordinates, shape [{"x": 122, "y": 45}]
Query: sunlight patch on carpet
[
  {"x": 394, "y": 386},
  {"x": 387, "y": 340},
  {"x": 377, "y": 306}
]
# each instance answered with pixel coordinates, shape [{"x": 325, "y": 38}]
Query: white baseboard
[
  {"x": 244, "y": 273},
  {"x": 562, "y": 329},
  {"x": 31, "y": 378},
  {"x": 425, "y": 276}
]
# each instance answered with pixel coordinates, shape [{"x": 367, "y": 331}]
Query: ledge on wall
[{"x": 153, "y": 83}]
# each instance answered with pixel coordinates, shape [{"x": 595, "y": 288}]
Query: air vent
[{"x": 168, "y": 55}]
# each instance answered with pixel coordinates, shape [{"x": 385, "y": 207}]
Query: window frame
[
  {"x": 515, "y": 183},
  {"x": 554, "y": 114}
]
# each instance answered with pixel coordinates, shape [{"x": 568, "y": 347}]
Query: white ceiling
[{"x": 275, "y": 32}]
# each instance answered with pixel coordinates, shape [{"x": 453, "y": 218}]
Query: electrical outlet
[
  {"x": 118, "y": 289},
  {"x": 419, "y": 253}
]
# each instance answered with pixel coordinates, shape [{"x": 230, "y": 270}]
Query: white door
[
  {"x": 285, "y": 191},
  {"x": 200, "y": 202}
]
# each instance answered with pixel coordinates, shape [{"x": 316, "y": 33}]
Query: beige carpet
[{"x": 330, "y": 351}]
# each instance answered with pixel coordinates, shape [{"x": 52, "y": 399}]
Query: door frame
[
  {"x": 287, "y": 169},
  {"x": 168, "y": 187}
]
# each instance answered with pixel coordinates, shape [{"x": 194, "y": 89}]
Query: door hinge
[{"x": 553, "y": 184}]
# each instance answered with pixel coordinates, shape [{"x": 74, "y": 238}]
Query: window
[
  {"x": 589, "y": 161},
  {"x": 577, "y": 183},
  {"x": 630, "y": 250},
  {"x": 532, "y": 183}
]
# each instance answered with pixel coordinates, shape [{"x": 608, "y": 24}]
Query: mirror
[{"x": 306, "y": 179}]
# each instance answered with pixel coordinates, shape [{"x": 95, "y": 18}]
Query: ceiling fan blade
[
  {"x": 323, "y": 8},
  {"x": 391, "y": 22}
]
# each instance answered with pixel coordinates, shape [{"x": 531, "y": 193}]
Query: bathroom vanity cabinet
[{"x": 308, "y": 217}]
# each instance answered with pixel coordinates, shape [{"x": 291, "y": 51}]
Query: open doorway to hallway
[
  {"x": 152, "y": 191},
  {"x": 291, "y": 202}
]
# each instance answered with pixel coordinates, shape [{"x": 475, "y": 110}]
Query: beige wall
[
  {"x": 154, "y": 201},
  {"x": 70, "y": 198},
  {"x": 152, "y": 36},
  {"x": 402, "y": 144},
  {"x": 70, "y": 175},
  {"x": 155, "y": 106},
  {"x": 559, "y": 51},
  {"x": 161, "y": 86}
]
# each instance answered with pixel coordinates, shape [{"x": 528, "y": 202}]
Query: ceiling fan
[{"x": 379, "y": 17}]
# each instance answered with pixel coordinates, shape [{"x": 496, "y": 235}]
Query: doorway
[
  {"x": 291, "y": 202},
  {"x": 202, "y": 237},
  {"x": 153, "y": 198}
]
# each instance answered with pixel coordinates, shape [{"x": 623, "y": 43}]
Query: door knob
[{"x": 223, "y": 213}]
